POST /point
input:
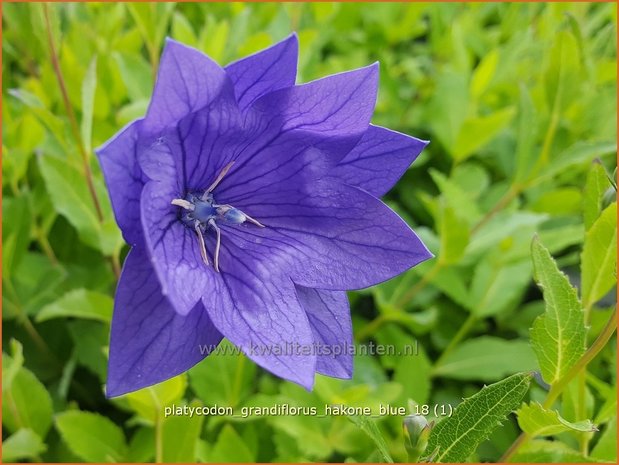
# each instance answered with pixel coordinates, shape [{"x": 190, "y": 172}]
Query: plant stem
[
  {"x": 158, "y": 439},
  {"x": 371, "y": 327},
  {"x": 421, "y": 284},
  {"x": 462, "y": 332},
  {"x": 510, "y": 195},
  {"x": 558, "y": 387},
  {"x": 71, "y": 114}
]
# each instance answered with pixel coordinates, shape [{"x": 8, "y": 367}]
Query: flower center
[{"x": 201, "y": 213}]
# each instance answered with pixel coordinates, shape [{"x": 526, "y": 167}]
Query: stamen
[
  {"x": 218, "y": 231},
  {"x": 183, "y": 204},
  {"x": 220, "y": 177},
  {"x": 196, "y": 226},
  {"x": 251, "y": 220}
]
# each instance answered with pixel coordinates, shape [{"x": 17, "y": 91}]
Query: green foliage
[
  {"x": 455, "y": 438},
  {"x": 92, "y": 437},
  {"x": 535, "y": 420},
  {"x": 557, "y": 336},
  {"x": 519, "y": 103}
]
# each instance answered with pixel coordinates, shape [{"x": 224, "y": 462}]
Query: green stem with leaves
[{"x": 557, "y": 388}]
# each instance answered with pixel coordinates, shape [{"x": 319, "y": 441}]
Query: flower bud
[{"x": 416, "y": 434}]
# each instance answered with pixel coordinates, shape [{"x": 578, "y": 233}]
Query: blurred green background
[{"x": 519, "y": 103}]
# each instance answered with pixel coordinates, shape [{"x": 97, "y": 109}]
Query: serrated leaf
[
  {"x": 455, "y": 438},
  {"x": 487, "y": 358},
  {"x": 79, "y": 303},
  {"x": 596, "y": 185},
  {"x": 537, "y": 421},
  {"x": 558, "y": 336},
  {"x": 91, "y": 436},
  {"x": 599, "y": 257},
  {"x": 370, "y": 428},
  {"x": 89, "y": 85},
  {"x": 25, "y": 444}
]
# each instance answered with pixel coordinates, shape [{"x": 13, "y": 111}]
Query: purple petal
[
  {"x": 124, "y": 179},
  {"x": 329, "y": 316},
  {"x": 265, "y": 71},
  {"x": 188, "y": 80},
  {"x": 255, "y": 306},
  {"x": 379, "y": 159},
  {"x": 338, "y": 237},
  {"x": 174, "y": 249},
  {"x": 150, "y": 342},
  {"x": 337, "y": 109}
]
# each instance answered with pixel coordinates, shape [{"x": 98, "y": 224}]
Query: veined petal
[
  {"x": 187, "y": 81},
  {"x": 337, "y": 109},
  {"x": 173, "y": 248},
  {"x": 255, "y": 306},
  {"x": 265, "y": 71},
  {"x": 124, "y": 179},
  {"x": 150, "y": 342},
  {"x": 329, "y": 316},
  {"x": 379, "y": 159},
  {"x": 341, "y": 237}
]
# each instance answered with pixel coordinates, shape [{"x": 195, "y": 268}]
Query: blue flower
[{"x": 251, "y": 205}]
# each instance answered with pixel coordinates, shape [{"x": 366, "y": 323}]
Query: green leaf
[
  {"x": 581, "y": 153},
  {"x": 606, "y": 447},
  {"x": 483, "y": 74},
  {"x": 456, "y": 197},
  {"x": 369, "y": 427},
  {"x": 596, "y": 185},
  {"x": 180, "y": 437},
  {"x": 12, "y": 365},
  {"x": 142, "y": 446},
  {"x": 454, "y": 234},
  {"x": 558, "y": 336},
  {"x": 599, "y": 257},
  {"x": 487, "y": 358},
  {"x": 26, "y": 403},
  {"x": 70, "y": 196},
  {"x": 496, "y": 286},
  {"x": 225, "y": 379},
  {"x": 537, "y": 421},
  {"x": 230, "y": 447},
  {"x": 526, "y": 153},
  {"x": 136, "y": 74},
  {"x": 414, "y": 375},
  {"x": 455, "y": 438},
  {"x": 89, "y": 85},
  {"x": 15, "y": 233},
  {"x": 448, "y": 108},
  {"x": 545, "y": 451},
  {"x": 477, "y": 132},
  {"x": 150, "y": 402},
  {"x": 25, "y": 444},
  {"x": 79, "y": 303},
  {"x": 92, "y": 437}
]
